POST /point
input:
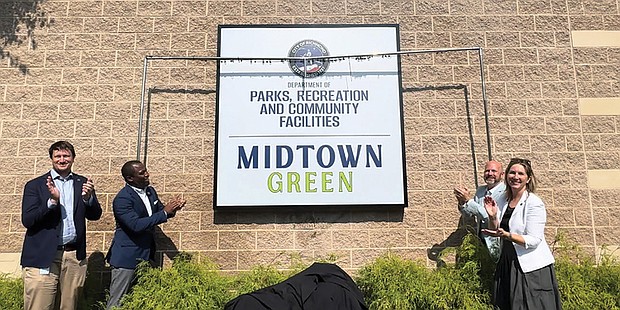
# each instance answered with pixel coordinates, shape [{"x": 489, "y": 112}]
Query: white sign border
[{"x": 297, "y": 206}]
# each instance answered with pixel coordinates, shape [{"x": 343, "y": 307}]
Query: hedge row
[{"x": 389, "y": 282}]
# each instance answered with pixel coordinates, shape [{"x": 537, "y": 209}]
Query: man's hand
[
  {"x": 87, "y": 189},
  {"x": 462, "y": 195},
  {"x": 51, "y": 187},
  {"x": 174, "y": 205}
]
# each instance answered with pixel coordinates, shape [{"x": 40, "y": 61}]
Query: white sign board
[{"x": 306, "y": 130}]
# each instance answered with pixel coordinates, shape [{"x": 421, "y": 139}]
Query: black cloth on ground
[{"x": 321, "y": 286}]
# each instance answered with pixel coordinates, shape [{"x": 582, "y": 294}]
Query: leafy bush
[
  {"x": 397, "y": 284},
  {"x": 188, "y": 284},
  {"x": 257, "y": 278},
  {"x": 584, "y": 284},
  {"x": 390, "y": 282},
  {"x": 195, "y": 283},
  {"x": 11, "y": 293}
]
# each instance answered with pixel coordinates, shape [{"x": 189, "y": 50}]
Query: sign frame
[{"x": 397, "y": 199}]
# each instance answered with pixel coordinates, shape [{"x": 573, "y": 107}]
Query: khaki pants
[{"x": 58, "y": 289}]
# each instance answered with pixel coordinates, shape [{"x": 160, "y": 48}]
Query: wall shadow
[
  {"x": 147, "y": 114},
  {"x": 97, "y": 283},
  {"x": 165, "y": 248},
  {"x": 310, "y": 216},
  {"x": 18, "y": 21},
  {"x": 465, "y": 224},
  {"x": 468, "y": 113},
  {"x": 317, "y": 216}
]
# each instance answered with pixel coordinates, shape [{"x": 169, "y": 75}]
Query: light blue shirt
[
  {"x": 65, "y": 187},
  {"x": 475, "y": 207}
]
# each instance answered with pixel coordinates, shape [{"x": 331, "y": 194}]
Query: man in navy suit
[
  {"x": 55, "y": 207},
  {"x": 137, "y": 211}
]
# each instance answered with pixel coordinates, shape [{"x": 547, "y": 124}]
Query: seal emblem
[{"x": 309, "y": 68}]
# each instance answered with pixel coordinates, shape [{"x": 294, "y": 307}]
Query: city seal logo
[{"x": 309, "y": 68}]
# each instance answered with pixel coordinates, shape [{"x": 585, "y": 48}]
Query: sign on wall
[{"x": 301, "y": 128}]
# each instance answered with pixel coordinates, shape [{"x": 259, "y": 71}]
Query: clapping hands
[
  {"x": 54, "y": 192},
  {"x": 87, "y": 189},
  {"x": 174, "y": 205}
]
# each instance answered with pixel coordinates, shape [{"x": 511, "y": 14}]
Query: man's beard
[{"x": 491, "y": 181}]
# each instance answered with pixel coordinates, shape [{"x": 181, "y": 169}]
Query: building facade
[{"x": 72, "y": 70}]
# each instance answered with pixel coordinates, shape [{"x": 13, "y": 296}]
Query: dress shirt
[
  {"x": 65, "y": 187},
  {"x": 145, "y": 199}
]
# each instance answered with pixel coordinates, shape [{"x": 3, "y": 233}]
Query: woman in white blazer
[{"x": 525, "y": 275}]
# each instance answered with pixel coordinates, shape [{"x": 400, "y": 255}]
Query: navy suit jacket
[
  {"x": 134, "y": 239},
  {"x": 42, "y": 223}
]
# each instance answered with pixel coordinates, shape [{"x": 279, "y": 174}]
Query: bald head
[{"x": 493, "y": 173}]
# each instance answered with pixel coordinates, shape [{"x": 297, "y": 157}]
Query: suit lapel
[
  {"x": 78, "y": 181},
  {"x": 152, "y": 199},
  {"x": 520, "y": 207},
  {"x": 139, "y": 206},
  {"x": 45, "y": 192}
]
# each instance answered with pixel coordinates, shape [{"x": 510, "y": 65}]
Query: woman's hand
[
  {"x": 491, "y": 207},
  {"x": 500, "y": 232}
]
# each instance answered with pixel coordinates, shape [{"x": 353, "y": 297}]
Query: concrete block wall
[{"x": 552, "y": 82}]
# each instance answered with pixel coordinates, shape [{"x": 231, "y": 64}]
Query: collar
[
  {"x": 500, "y": 186},
  {"x": 523, "y": 199},
  {"x": 138, "y": 190},
  {"x": 55, "y": 175}
]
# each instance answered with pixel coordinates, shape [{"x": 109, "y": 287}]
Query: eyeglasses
[{"x": 521, "y": 161}]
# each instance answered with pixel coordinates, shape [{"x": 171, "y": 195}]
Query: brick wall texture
[{"x": 76, "y": 74}]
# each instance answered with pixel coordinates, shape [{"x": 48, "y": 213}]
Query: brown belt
[{"x": 67, "y": 247}]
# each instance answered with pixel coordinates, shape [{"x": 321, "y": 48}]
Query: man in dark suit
[
  {"x": 137, "y": 211},
  {"x": 55, "y": 207}
]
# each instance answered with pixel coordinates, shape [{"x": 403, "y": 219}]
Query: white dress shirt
[{"x": 145, "y": 199}]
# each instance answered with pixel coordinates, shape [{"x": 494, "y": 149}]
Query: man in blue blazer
[
  {"x": 55, "y": 207},
  {"x": 137, "y": 211}
]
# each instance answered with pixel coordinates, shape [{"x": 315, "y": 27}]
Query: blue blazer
[
  {"x": 134, "y": 239},
  {"x": 42, "y": 223}
]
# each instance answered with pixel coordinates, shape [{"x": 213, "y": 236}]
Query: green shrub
[
  {"x": 188, "y": 284},
  {"x": 390, "y": 282},
  {"x": 585, "y": 285},
  {"x": 11, "y": 293},
  {"x": 195, "y": 283},
  {"x": 397, "y": 284},
  {"x": 257, "y": 278}
]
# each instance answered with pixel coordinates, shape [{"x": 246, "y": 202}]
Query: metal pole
[
  {"x": 305, "y": 59},
  {"x": 471, "y": 135},
  {"x": 141, "y": 107},
  {"x": 484, "y": 102},
  {"x": 440, "y": 50},
  {"x": 147, "y": 126}
]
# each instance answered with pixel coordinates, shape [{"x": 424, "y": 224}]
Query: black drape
[{"x": 321, "y": 287}]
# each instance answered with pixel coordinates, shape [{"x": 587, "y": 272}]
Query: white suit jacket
[{"x": 528, "y": 220}]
